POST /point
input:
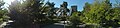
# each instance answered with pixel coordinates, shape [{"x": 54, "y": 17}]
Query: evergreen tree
[{"x": 3, "y": 12}]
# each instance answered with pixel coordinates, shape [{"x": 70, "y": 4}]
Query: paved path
[
  {"x": 5, "y": 23},
  {"x": 53, "y": 26}
]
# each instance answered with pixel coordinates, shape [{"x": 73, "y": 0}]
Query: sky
[{"x": 79, "y": 3}]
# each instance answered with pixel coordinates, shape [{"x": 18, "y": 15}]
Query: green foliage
[
  {"x": 86, "y": 7},
  {"x": 74, "y": 19},
  {"x": 28, "y": 13},
  {"x": 101, "y": 12},
  {"x": 31, "y": 12},
  {"x": 3, "y": 12}
]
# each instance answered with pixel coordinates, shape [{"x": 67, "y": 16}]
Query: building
[{"x": 74, "y": 8}]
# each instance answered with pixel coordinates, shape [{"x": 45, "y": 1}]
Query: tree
[
  {"x": 28, "y": 14},
  {"x": 74, "y": 19},
  {"x": 86, "y": 7},
  {"x": 3, "y": 12},
  {"x": 100, "y": 12}
]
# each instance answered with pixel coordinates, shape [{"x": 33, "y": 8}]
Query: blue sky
[{"x": 79, "y": 3}]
